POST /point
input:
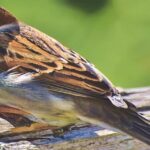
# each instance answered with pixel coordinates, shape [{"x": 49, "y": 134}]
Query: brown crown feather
[{"x": 6, "y": 17}]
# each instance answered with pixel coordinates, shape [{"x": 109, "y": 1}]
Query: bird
[{"x": 44, "y": 84}]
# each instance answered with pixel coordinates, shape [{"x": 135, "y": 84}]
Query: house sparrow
[{"x": 46, "y": 85}]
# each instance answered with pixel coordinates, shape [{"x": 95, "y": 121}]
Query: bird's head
[{"x": 9, "y": 28}]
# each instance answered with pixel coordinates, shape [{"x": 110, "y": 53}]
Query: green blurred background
[{"x": 112, "y": 34}]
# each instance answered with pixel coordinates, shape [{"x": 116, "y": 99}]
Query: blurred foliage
[{"x": 113, "y": 34}]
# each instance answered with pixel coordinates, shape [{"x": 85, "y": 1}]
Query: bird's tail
[{"x": 134, "y": 124}]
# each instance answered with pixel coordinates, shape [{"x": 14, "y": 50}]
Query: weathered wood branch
[{"x": 86, "y": 138}]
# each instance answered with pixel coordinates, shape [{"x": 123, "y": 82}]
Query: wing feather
[{"x": 51, "y": 64}]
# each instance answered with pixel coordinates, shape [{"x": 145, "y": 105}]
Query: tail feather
[
  {"x": 142, "y": 130},
  {"x": 136, "y": 125}
]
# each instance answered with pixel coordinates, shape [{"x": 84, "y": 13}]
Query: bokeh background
[{"x": 112, "y": 34}]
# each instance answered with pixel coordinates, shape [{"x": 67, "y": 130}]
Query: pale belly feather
[{"x": 48, "y": 108}]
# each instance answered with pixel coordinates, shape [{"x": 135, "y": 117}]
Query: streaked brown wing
[
  {"x": 16, "y": 117},
  {"x": 52, "y": 64}
]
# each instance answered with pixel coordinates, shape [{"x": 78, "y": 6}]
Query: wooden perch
[{"x": 91, "y": 137}]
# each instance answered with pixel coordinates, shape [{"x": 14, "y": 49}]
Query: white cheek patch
[{"x": 13, "y": 79}]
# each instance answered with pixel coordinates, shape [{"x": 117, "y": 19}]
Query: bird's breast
[{"x": 46, "y": 106}]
